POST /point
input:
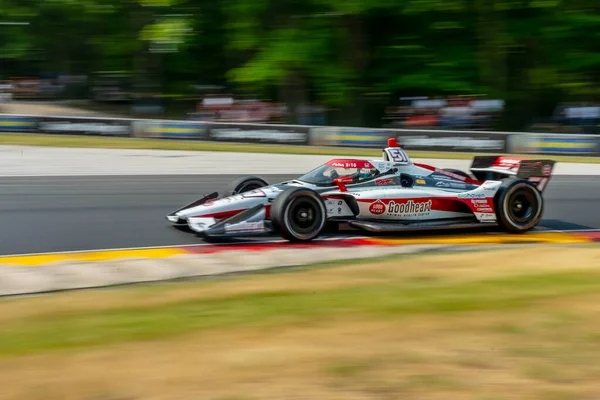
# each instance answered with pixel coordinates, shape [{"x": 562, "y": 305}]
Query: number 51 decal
[{"x": 398, "y": 155}]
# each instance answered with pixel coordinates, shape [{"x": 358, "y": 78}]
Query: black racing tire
[
  {"x": 298, "y": 214},
  {"x": 245, "y": 184},
  {"x": 457, "y": 172},
  {"x": 519, "y": 205}
]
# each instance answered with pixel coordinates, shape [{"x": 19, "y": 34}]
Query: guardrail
[{"x": 434, "y": 140}]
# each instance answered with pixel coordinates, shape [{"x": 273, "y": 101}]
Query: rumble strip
[{"x": 41, "y": 273}]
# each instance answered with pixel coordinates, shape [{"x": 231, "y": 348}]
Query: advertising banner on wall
[
  {"x": 18, "y": 123},
  {"x": 169, "y": 129},
  {"x": 418, "y": 140},
  {"x": 426, "y": 140},
  {"x": 250, "y": 133},
  {"x": 350, "y": 137},
  {"x": 464, "y": 141},
  {"x": 84, "y": 126},
  {"x": 567, "y": 144}
]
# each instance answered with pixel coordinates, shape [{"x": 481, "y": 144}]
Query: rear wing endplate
[
  {"x": 529, "y": 168},
  {"x": 538, "y": 172}
]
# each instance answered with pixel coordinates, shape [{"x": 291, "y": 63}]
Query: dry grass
[
  {"x": 513, "y": 324},
  {"x": 442, "y": 268}
]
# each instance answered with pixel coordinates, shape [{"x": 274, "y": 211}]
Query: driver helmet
[{"x": 366, "y": 173}]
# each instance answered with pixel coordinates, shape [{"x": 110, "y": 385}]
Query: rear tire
[
  {"x": 246, "y": 184},
  {"x": 298, "y": 214},
  {"x": 519, "y": 205}
]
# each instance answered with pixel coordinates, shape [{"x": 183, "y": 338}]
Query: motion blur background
[
  {"x": 469, "y": 64},
  {"x": 513, "y": 323}
]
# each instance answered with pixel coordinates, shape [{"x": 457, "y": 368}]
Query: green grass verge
[
  {"x": 411, "y": 326},
  {"x": 397, "y": 299},
  {"x": 164, "y": 144}
]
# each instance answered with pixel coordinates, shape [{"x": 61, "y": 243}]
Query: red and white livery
[{"x": 387, "y": 195}]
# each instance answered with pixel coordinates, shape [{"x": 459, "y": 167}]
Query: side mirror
[{"x": 406, "y": 180}]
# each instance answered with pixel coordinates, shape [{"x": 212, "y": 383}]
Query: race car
[{"x": 393, "y": 194}]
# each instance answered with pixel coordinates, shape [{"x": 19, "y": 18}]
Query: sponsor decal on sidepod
[
  {"x": 449, "y": 184},
  {"x": 450, "y": 174},
  {"x": 490, "y": 186},
  {"x": 471, "y": 195},
  {"x": 404, "y": 209},
  {"x": 409, "y": 208},
  {"x": 377, "y": 207},
  {"x": 482, "y": 206}
]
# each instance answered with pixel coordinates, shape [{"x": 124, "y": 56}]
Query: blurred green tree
[{"x": 354, "y": 56}]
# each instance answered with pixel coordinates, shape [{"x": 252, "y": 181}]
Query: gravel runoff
[{"x": 45, "y": 161}]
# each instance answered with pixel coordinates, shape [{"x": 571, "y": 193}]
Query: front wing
[{"x": 247, "y": 223}]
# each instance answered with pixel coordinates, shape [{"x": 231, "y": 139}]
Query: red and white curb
[
  {"x": 68, "y": 275},
  {"x": 39, "y": 273}
]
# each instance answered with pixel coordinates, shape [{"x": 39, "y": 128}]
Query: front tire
[
  {"x": 246, "y": 184},
  {"x": 519, "y": 205},
  {"x": 298, "y": 214}
]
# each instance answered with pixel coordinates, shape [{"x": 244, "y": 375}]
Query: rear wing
[{"x": 537, "y": 172}]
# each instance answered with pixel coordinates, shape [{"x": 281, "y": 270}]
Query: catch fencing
[{"x": 410, "y": 139}]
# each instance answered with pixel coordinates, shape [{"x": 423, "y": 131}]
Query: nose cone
[{"x": 172, "y": 218}]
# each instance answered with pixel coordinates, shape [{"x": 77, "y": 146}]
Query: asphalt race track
[{"x": 51, "y": 214}]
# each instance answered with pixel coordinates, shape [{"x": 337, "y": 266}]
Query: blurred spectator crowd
[
  {"x": 585, "y": 116},
  {"x": 229, "y": 109},
  {"x": 571, "y": 117},
  {"x": 45, "y": 87},
  {"x": 453, "y": 112},
  {"x": 470, "y": 112}
]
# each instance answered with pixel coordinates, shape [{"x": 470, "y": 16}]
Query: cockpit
[{"x": 350, "y": 171}]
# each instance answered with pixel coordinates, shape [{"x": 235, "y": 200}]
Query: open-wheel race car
[{"x": 393, "y": 194}]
